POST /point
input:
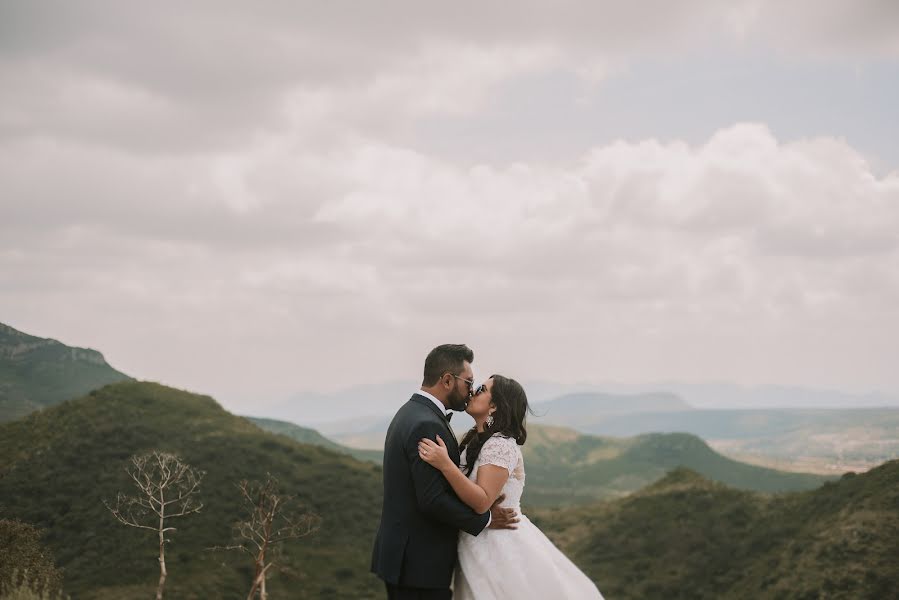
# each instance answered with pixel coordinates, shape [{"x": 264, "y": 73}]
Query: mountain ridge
[{"x": 39, "y": 372}]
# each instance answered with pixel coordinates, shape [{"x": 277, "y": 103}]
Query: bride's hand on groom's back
[{"x": 502, "y": 518}]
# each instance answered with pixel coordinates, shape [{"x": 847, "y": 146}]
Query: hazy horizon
[{"x": 251, "y": 201}]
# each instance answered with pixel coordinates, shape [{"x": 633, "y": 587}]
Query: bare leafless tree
[
  {"x": 167, "y": 488},
  {"x": 271, "y": 519}
]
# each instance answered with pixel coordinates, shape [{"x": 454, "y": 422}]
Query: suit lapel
[{"x": 451, "y": 443}]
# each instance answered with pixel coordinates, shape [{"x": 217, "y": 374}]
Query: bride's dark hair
[{"x": 508, "y": 419}]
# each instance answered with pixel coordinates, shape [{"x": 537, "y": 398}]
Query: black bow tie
[{"x": 448, "y": 415}]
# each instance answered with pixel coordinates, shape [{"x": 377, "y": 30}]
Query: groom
[{"x": 415, "y": 549}]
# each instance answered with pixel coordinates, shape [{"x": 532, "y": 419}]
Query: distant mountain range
[
  {"x": 828, "y": 440},
  {"x": 587, "y": 407},
  {"x": 712, "y": 395},
  {"x": 37, "y": 372},
  {"x": 368, "y": 401}
]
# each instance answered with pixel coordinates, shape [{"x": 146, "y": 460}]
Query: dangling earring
[{"x": 489, "y": 421}]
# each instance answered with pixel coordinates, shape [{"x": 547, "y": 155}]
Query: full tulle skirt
[{"x": 519, "y": 564}]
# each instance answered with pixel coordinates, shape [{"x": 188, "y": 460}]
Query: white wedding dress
[{"x": 519, "y": 564}]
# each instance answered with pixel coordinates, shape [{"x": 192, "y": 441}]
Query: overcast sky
[{"x": 250, "y": 201}]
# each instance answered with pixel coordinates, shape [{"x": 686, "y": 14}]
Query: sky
[{"x": 251, "y": 200}]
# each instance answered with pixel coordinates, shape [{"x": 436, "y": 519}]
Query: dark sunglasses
[{"x": 468, "y": 382}]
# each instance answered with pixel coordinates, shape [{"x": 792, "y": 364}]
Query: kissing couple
[{"x": 451, "y": 519}]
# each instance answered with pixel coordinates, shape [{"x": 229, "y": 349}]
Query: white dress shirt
[{"x": 433, "y": 399}]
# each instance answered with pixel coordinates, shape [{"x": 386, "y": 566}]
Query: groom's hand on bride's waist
[{"x": 502, "y": 518}]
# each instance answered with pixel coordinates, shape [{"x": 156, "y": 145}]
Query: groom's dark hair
[{"x": 446, "y": 358}]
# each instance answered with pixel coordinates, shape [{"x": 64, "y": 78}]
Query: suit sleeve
[{"x": 433, "y": 493}]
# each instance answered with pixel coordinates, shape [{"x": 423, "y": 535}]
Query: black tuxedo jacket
[{"x": 421, "y": 517}]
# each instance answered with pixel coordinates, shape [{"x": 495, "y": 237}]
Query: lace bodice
[{"x": 503, "y": 452}]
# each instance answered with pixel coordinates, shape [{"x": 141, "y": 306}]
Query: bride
[{"x": 502, "y": 563}]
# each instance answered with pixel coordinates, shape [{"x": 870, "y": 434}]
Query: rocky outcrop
[
  {"x": 15, "y": 345},
  {"x": 39, "y": 372}
]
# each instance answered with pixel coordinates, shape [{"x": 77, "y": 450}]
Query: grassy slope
[
  {"x": 687, "y": 537},
  {"x": 306, "y": 435},
  {"x": 58, "y": 464}
]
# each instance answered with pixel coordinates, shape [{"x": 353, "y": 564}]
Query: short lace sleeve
[{"x": 500, "y": 451}]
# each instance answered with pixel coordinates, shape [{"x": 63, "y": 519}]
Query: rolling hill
[
  {"x": 687, "y": 537},
  {"x": 37, "y": 372},
  {"x": 860, "y": 438},
  {"x": 567, "y": 468},
  {"x": 58, "y": 464}
]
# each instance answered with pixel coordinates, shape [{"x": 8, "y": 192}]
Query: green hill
[
  {"x": 37, "y": 372},
  {"x": 58, "y": 464},
  {"x": 848, "y": 436},
  {"x": 306, "y": 435},
  {"x": 567, "y": 468},
  {"x": 687, "y": 537}
]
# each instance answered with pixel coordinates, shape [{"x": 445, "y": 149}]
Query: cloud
[
  {"x": 840, "y": 29},
  {"x": 637, "y": 241},
  {"x": 220, "y": 74},
  {"x": 234, "y": 200}
]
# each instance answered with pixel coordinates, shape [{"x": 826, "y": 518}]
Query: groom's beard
[{"x": 457, "y": 401}]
